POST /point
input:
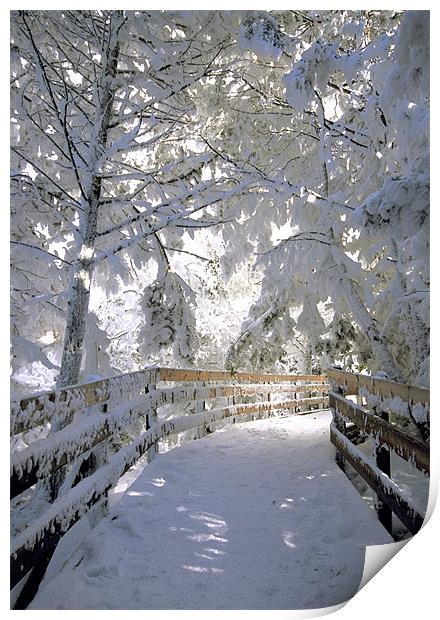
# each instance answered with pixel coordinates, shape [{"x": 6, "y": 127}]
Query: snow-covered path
[{"x": 254, "y": 516}]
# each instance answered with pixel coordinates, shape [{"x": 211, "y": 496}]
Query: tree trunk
[
  {"x": 82, "y": 269},
  {"x": 308, "y": 359}
]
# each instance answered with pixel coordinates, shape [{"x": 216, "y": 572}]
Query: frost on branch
[
  {"x": 311, "y": 72},
  {"x": 261, "y": 33}
]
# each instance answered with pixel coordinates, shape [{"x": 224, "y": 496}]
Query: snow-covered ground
[{"x": 254, "y": 516}]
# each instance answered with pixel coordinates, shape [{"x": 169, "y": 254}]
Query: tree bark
[{"x": 82, "y": 269}]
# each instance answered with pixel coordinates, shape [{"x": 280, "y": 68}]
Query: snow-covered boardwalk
[{"x": 254, "y": 516}]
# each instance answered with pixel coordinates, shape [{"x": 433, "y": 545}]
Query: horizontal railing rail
[
  {"x": 142, "y": 405},
  {"x": 36, "y": 410},
  {"x": 357, "y": 384},
  {"x": 395, "y": 417}
]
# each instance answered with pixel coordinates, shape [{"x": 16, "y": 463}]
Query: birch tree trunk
[{"x": 82, "y": 269}]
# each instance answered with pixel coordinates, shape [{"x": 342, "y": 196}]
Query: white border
[{"x": 407, "y": 585}]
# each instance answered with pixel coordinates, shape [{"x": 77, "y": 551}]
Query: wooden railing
[
  {"x": 148, "y": 406},
  {"x": 396, "y": 418}
]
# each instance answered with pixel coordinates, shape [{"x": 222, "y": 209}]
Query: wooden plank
[
  {"x": 380, "y": 387},
  {"x": 237, "y": 410},
  {"x": 383, "y": 462},
  {"x": 162, "y": 396},
  {"x": 341, "y": 426},
  {"x": 281, "y": 405},
  {"x": 345, "y": 380},
  {"x": 402, "y": 443},
  {"x": 40, "y": 408},
  {"x": 292, "y": 404},
  {"x": 383, "y": 388},
  {"x": 179, "y": 374},
  {"x": 29, "y": 477},
  {"x": 410, "y": 517},
  {"x": 25, "y": 559},
  {"x": 389, "y": 389},
  {"x": 419, "y": 394},
  {"x": 46, "y": 456},
  {"x": 312, "y": 387}
]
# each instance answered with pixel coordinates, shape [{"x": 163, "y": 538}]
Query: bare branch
[
  {"x": 38, "y": 250},
  {"x": 20, "y": 154}
]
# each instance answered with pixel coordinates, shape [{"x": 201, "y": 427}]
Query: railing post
[
  {"x": 199, "y": 405},
  {"x": 383, "y": 462},
  {"x": 151, "y": 416},
  {"x": 342, "y": 427}
]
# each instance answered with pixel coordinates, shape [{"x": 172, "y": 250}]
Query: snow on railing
[
  {"x": 395, "y": 417},
  {"x": 128, "y": 414}
]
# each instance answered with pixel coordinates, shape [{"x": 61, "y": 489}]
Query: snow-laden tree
[
  {"x": 298, "y": 137},
  {"x": 110, "y": 170},
  {"x": 341, "y": 226}
]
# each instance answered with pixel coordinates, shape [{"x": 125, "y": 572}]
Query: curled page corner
[
  {"x": 376, "y": 556},
  {"x": 325, "y": 611},
  {"x": 432, "y": 500}
]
